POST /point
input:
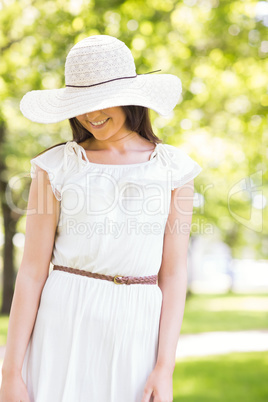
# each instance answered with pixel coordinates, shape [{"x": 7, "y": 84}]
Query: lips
[{"x": 99, "y": 125}]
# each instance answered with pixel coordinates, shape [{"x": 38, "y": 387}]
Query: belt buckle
[{"x": 118, "y": 283}]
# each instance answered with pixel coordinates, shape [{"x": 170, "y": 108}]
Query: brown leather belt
[{"x": 118, "y": 279}]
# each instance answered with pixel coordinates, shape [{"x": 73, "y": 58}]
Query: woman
[{"x": 111, "y": 210}]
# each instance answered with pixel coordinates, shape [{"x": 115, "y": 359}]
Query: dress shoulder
[
  {"x": 52, "y": 161},
  {"x": 180, "y": 165}
]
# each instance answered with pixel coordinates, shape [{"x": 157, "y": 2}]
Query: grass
[
  {"x": 234, "y": 377},
  {"x": 228, "y": 312}
]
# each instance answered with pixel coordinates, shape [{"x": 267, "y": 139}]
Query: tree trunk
[
  {"x": 8, "y": 260},
  {"x": 9, "y": 230}
]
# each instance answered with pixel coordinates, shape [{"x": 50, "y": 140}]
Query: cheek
[{"x": 81, "y": 118}]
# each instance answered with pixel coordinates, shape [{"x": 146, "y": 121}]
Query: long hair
[{"x": 137, "y": 119}]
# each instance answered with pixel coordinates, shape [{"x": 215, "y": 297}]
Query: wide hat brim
[{"x": 159, "y": 92}]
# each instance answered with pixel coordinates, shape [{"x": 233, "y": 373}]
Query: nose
[{"x": 92, "y": 115}]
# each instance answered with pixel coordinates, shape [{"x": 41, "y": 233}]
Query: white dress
[{"x": 94, "y": 340}]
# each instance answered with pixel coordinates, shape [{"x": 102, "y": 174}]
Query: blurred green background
[{"x": 219, "y": 50}]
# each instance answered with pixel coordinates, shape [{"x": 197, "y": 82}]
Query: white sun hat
[{"x": 100, "y": 73}]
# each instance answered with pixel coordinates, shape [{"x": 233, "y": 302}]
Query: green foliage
[
  {"x": 217, "y": 48},
  {"x": 4, "y": 319}
]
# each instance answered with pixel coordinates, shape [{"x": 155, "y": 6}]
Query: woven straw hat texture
[{"x": 100, "y": 73}]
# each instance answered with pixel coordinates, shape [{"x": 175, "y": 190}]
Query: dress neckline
[{"x": 151, "y": 160}]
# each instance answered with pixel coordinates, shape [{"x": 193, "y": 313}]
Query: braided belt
[{"x": 118, "y": 279}]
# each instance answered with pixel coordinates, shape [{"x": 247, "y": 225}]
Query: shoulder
[
  {"x": 174, "y": 156},
  {"x": 182, "y": 167},
  {"x": 172, "y": 149},
  {"x": 51, "y": 160},
  {"x": 52, "y": 154}
]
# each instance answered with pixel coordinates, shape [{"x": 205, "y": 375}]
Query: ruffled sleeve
[
  {"x": 181, "y": 166},
  {"x": 52, "y": 161}
]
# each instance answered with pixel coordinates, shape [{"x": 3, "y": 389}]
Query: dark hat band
[{"x": 104, "y": 82}]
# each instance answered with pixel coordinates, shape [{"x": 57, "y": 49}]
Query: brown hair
[{"x": 137, "y": 119}]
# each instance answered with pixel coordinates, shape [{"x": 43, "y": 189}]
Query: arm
[
  {"x": 172, "y": 280},
  {"x": 41, "y": 222}
]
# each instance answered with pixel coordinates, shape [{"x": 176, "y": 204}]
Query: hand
[
  {"x": 13, "y": 389},
  {"x": 159, "y": 386}
]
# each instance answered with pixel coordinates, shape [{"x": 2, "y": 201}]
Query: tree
[{"x": 218, "y": 51}]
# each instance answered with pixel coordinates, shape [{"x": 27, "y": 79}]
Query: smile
[{"x": 99, "y": 123}]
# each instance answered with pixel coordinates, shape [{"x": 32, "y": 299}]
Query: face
[{"x": 111, "y": 122}]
